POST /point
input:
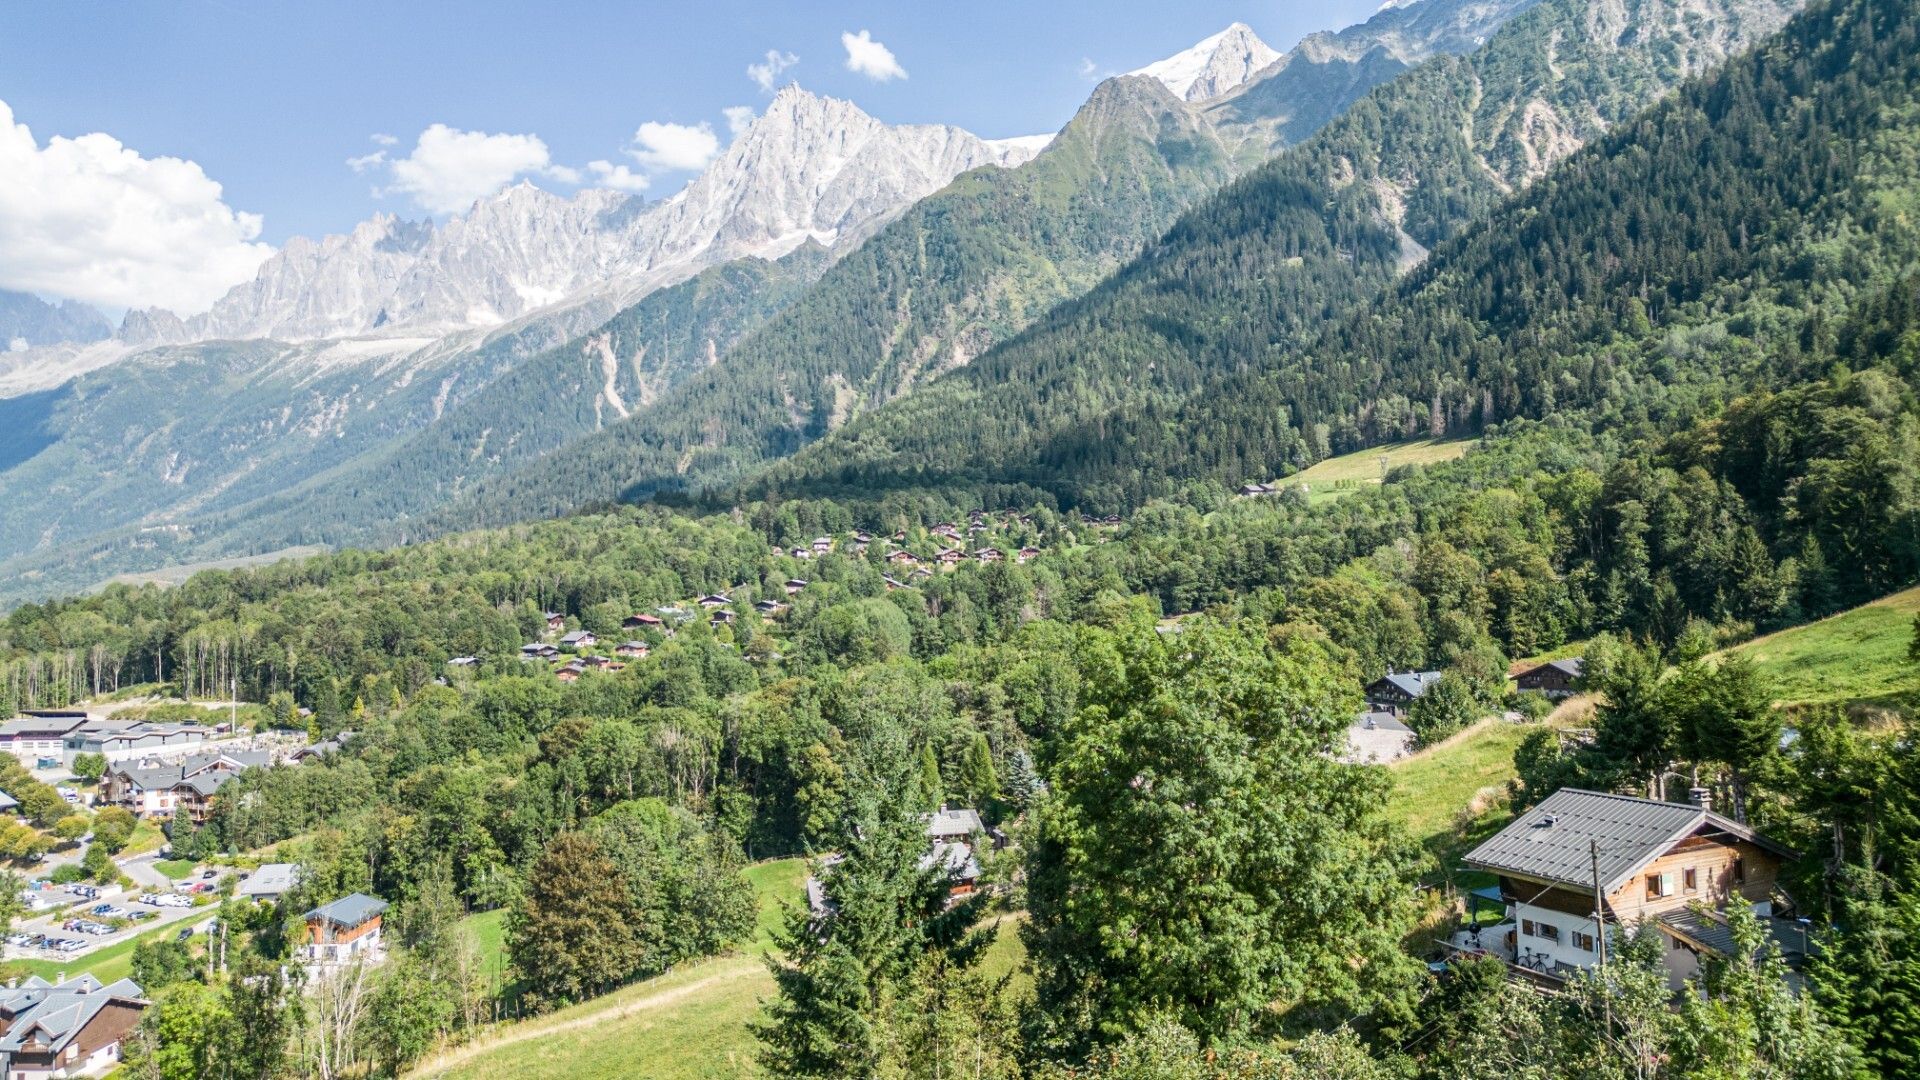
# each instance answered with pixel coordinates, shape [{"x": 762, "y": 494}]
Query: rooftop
[
  {"x": 53, "y": 1013},
  {"x": 1555, "y": 840},
  {"x": 349, "y": 911}
]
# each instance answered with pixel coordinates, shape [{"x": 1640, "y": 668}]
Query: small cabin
[{"x": 1555, "y": 678}]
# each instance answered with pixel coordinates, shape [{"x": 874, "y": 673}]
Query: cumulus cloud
[
  {"x": 448, "y": 168},
  {"x": 383, "y": 139},
  {"x": 765, "y": 73},
  {"x": 670, "y": 147},
  {"x": 1088, "y": 69},
  {"x": 90, "y": 219},
  {"x": 618, "y": 177},
  {"x": 738, "y": 118},
  {"x": 868, "y": 57}
]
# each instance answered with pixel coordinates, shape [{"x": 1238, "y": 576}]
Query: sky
[{"x": 153, "y": 151}]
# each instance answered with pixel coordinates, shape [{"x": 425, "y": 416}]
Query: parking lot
[{"x": 87, "y": 918}]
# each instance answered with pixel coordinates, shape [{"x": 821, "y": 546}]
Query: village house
[
  {"x": 538, "y": 650},
  {"x": 637, "y": 650},
  {"x": 1555, "y": 678},
  {"x": 269, "y": 883},
  {"x": 580, "y": 639},
  {"x": 822, "y": 544},
  {"x": 1673, "y": 867},
  {"x": 38, "y": 735},
  {"x": 903, "y": 558},
  {"x": 153, "y": 790},
  {"x": 795, "y": 586},
  {"x": 1247, "y": 490},
  {"x": 321, "y": 749},
  {"x": 801, "y": 553},
  {"x": 892, "y": 584},
  {"x": 951, "y": 557},
  {"x": 1026, "y": 555},
  {"x": 988, "y": 555},
  {"x": 769, "y": 607},
  {"x": 570, "y": 672},
  {"x": 642, "y": 622},
  {"x": 70, "y": 1028},
  {"x": 716, "y": 600},
  {"x": 555, "y": 621},
  {"x": 464, "y": 662},
  {"x": 1393, "y": 692},
  {"x": 344, "y": 930},
  {"x": 724, "y": 616}
]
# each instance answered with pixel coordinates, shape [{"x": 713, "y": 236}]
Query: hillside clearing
[
  {"x": 1337, "y": 475},
  {"x": 1855, "y": 656}
]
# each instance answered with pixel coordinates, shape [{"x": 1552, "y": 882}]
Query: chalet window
[
  {"x": 1527, "y": 927},
  {"x": 1739, "y": 869},
  {"x": 1690, "y": 879},
  {"x": 1548, "y": 931},
  {"x": 1659, "y": 885},
  {"x": 1583, "y": 941}
]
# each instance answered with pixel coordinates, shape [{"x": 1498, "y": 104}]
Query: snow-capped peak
[{"x": 1214, "y": 65}]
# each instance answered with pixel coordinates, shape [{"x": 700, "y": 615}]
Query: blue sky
[
  {"x": 272, "y": 98},
  {"x": 270, "y": 101}
]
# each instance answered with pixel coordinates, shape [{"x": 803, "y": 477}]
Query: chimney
[{"x": 1701, "y": 797}]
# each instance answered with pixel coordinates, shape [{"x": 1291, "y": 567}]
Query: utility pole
[{"x": 1600, "y": 927}]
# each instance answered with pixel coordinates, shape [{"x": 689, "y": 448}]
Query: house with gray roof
[
  {"x": 1555, "y": 678},
  {"x": 118, "y": 739},
  {"x": 1393, "y": 692},
  {"x": 344, "y": 930},
  {"x": 270, "y": 882},
  {"x": 1672, "y": 866},
  {"x": 70, "y": 1028},
  {"x": 40, "y": 734},
  {"x": 955, "y": 825}
]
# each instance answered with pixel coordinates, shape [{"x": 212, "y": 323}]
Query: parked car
[
  {"x": 19, "y": 939},
  {"x": 69, "y": 945},
  {"x": 209, "y": 875}
]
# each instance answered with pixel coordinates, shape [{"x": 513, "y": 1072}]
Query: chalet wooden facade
[
  {"x": 1671, "y": 866},
  {"x": 1555, "y": 678}
]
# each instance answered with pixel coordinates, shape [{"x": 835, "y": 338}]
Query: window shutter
[{"x": 1666, "y": 883}]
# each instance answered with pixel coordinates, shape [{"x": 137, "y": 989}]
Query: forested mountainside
[
  {"x": 1688, "y": 358},
  {"x": 509, "y": 400},
  {"x": 1247, "y": 280},
  {"x": 971, "y": 266}
]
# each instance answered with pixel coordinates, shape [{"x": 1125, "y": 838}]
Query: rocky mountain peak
[{"x": 1214, "y": 65}]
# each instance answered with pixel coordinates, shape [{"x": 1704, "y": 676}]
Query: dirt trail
[{"x": 725, "y": 971}]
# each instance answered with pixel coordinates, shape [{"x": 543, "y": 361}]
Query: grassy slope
[
  {"x": 1451, "y": 795},
  {"x": 686, "y": 1023},
  {"x": 1337, "y": 475},
  {"x": 1858, "y": 655}
]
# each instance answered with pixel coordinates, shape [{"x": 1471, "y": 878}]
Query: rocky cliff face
[{"x": 811, "y": 168}]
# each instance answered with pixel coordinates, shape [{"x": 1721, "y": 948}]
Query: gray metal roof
[
  {"x": 57, "y": 1011},
  {"x": 1411, "y": 683},
  {"x": 1700, "y": 928},
  {"x": 945, "y": 822},
  {"x": 1572, "y": 666},
  {"x": 349, "y": 911},
  {"x": 270, "y": 880},
  {"x": 1550, "y": 842}
]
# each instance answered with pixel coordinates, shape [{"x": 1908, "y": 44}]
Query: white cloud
[
  {"x": 738, "y": 118},
  {"x": 449, "y": 168},
  {"x": 669, "y": 147},
  {"x": 1088, "y": 69},
  {"x": 384, "y": 139},
  {"x": 618, "y": 177},
  {"x": 767, "y": 71},
  {"x": 868, "y": 57},
  {"x": 90, "y": 219}
]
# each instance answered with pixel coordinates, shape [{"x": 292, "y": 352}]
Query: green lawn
[
  {"x": 1858, "y": 655},
  {"x": 687, "y": 1023},
  {"x": 1452, "y": 795},
  {"x": 1336, "y": 476},
  {"x": 177, "y": 869},
  {"x": 146, "y": 837}
]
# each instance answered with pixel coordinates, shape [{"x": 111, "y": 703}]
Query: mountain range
[{"x": 828, "y": 277}]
